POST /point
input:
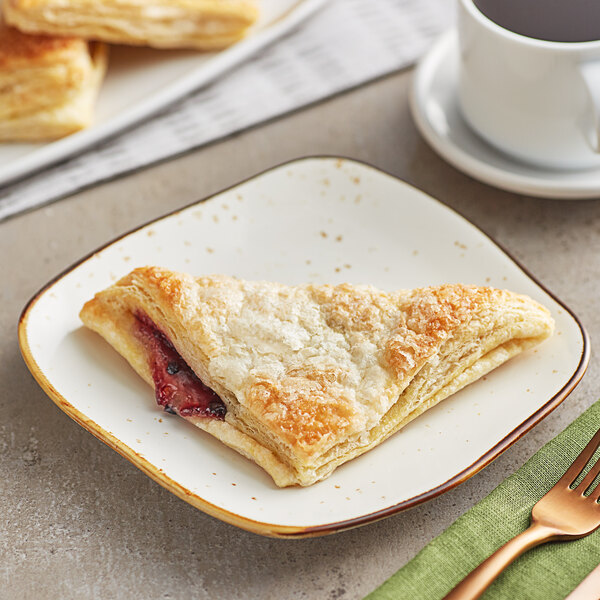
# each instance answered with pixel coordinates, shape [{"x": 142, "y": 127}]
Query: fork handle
[{"x": 477, "y": 581}]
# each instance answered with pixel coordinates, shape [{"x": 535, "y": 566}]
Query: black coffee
[{"x": 553, "y": 20}]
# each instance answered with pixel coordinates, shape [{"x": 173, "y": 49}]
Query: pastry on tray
[
  {"x": 48, "y": 85},
  {"x": 202, "y": 24},
  {"x": 301, "y": 379}
]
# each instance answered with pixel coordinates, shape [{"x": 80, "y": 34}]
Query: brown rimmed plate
[{"x": 324, "y": 220}]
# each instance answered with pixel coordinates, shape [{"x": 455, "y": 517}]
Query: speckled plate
[{"x": 321, "y": 220}]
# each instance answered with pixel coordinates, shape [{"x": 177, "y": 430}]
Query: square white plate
[
  {"x": 321, "y": 220},
  {"x": 141, "y": 81}
]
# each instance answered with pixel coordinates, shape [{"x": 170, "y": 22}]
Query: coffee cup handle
[{"x": 590, "y": 73}]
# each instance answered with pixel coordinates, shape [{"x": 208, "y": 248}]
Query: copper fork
[{"x": 564, "y": 513}]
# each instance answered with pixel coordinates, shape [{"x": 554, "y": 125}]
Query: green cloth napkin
[{"x": 547, "y": 572}]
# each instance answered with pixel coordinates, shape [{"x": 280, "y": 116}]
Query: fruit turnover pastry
[
  {"x": 48, "y": 85},
  {"x": 202, "y": 24},
  {"x": 301, "y": 379}
]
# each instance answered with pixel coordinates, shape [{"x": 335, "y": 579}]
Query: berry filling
[{"x": 178, "y": 389}]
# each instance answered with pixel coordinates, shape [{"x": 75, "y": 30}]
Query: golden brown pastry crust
[
  {"x": 201, "y": 24},
  {"x": 313, "y": 376},
  {"x": 38, "y": 71},
  {"x": 48, "y": 86},
  {"x": 18, "y": 51}
]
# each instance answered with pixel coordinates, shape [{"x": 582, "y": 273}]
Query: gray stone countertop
[{"x": 79, "y": 521}]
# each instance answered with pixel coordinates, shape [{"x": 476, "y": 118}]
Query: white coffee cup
[{"x": 536, "y": 100}]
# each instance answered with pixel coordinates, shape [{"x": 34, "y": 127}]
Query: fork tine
[
  {"x": 579, "y": 463},
  {"x": 595, "y": 495},
  {"x": 589, "y": 478}
]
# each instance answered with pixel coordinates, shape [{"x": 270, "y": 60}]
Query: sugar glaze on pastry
[{"x": 309, "y": 376}]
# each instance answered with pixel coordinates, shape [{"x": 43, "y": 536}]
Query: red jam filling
[{"x": 178, "y": 389}]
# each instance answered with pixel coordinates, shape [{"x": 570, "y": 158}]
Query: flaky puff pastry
[
  {"x": 38, "y": 71},
  {"x": 313, "y": 376},
  {"x": 201, "y": 24},
  {"x": 48, "y": 85}
]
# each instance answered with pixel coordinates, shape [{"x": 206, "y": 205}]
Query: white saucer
[{"x": 435, "y": 110}]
